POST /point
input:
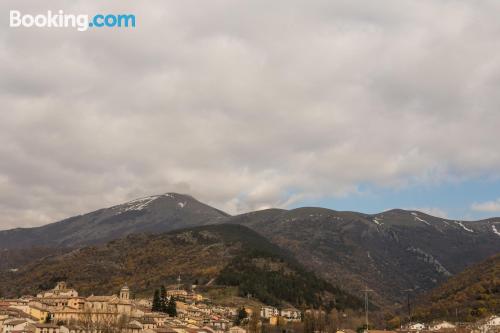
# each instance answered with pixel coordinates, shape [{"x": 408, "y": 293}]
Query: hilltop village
[{"x": 63, "y": 310}]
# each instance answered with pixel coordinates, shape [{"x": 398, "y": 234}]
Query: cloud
[
  {"x": 488, "y": 206},
  {"x": 244, "y": 104}
]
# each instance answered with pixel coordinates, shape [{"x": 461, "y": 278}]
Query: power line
[
  {"x": 408, "y": 291},
  {"x": 366, "y": 291}
]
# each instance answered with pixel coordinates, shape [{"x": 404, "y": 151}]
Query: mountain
[
  {"x": 468, "y": 296},
  {"x": 12, "y": 258},
  {"x": 153, "y": 214},
  {"x": 201, "y": 254},
  {"x": 388, "y": 252}
]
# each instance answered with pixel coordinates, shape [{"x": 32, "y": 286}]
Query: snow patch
[
  {"x": 181, "y": 204},
  {"x": 136, "y": 205},
  {"x": 495, "y": 231},
  {"x": 419, "y": 219},
  {"x": 377, "y": 221},
  {"x": 464, "y": 227}
]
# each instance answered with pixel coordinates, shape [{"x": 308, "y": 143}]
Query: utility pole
[
  {"x": 366, "y": 291},
  {"x": 408, "y": 291}
]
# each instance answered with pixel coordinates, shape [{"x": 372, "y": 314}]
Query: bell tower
[{"x": 125, "y": 293}]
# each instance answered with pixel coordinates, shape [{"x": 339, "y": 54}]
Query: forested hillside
[
  {"x": 199, "y": 255},
  {"x": 472, "y": 294}
]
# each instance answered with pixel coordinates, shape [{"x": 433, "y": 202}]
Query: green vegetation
[
  {"x": 163, "y": 304},
  {"x": 468, "y": 296},
  {"x": 232, "y": 254},
  {"x": 275, "y": 280},
  {"x": 157, "y": 306},
  {"x": 242, "y": 316},
  {"x": 171, "y": 308}
]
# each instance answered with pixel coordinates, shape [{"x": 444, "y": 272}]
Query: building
[
  {"x": 490, "y": 325},
  {"x": 268, "y": 312},
  {"x": 416, "y": 327},
  {"x": 15, "y": 324},
  {"x": 42, "y": 328},
  {"x": 237, "y": 329},
  {"x": 291, "y": 314},
  {"x": 60, "y": 290},
  {"x": 443, "y": 325}
]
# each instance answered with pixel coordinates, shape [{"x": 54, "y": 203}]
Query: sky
[{"x": 350, "y": 105}]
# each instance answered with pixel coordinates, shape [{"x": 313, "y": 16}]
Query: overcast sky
[{"x": 361, "y": 105}]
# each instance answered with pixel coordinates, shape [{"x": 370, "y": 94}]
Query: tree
[
  {"x": 171, "y": 309},
  {"x": 163, "y": 300},
  {"x": 242, "y": 315},
  {"x": 156, "y": 302}
]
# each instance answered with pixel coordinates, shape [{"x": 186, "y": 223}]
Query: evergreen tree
[
  {"x": 156, "y": 302},
  {"x": 242, "y": 315},
  {"x": 163, "y": 300},
  {"x": 172, "y": 307}
]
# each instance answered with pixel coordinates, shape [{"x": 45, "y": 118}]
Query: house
[
  {"x": 219, "y": 324},
  {"x": 133, "y": 327},
  {"x": 60, "y": 290},
  {"x": 148, "y": 323},
  {"x": 15, "y": 324},
  {"x": 493, "y": 321},
  {"x": 291, "y": 314},
  {"x": 164, "y": 329},
  {"x": 492, "y": 324},
  {"x": 147, "y": 303},
  {"x": 72, "y": 329},
  {"x": 237, "y": 329},
  {"x": 268, "y": 312},
  {"x": 39, "y": 311},
  {"x": 43, "y": 328},
  {"x": 416, "y": 327},
  {"x": 158, "y": 318},
  {"x": 177, "y": 293},
  {"x": 443, "y": 325}
]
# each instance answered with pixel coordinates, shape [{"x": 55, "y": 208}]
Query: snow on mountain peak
[
  {"x": 415, "y": 215},
  {"x": 464, "y": 227},
  {"x": 377, "y": 221},
  {"x": 136, "y": 204},
  {"x": 495, "y": 231}
]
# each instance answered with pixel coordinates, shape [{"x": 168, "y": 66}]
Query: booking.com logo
[{"x": 81, "y": 22}]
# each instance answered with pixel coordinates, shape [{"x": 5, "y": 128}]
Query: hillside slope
[
  {"x": 389, "y": 252},
  {"x": 199, "y": 254},
  {"x": 153, "y": 214},
  {"x": 472, "y": 294}
]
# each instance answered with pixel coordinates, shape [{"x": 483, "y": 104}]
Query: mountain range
[{"x": 388, "y": 252}]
